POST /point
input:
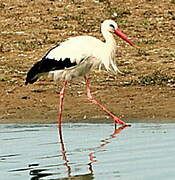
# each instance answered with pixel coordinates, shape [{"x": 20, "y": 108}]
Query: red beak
[{"x": 119, "y": 33}]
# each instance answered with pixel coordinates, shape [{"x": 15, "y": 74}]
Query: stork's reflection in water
[
  {"x": 70, "y": 174},
  {"x": 91, "y": 155}
]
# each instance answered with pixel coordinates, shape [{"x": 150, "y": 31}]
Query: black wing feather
[{"x": 46, "y": 65}]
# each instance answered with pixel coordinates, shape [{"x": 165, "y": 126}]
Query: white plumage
[{"x": 87, "y": 52}]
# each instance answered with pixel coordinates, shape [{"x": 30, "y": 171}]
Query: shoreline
[{"x": 101, "y": 120}]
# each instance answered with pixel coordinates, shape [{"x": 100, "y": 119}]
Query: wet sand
[{"x": 39, "y": 103}]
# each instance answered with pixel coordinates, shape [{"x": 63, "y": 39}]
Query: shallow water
[{"x": 87, "y": 151}]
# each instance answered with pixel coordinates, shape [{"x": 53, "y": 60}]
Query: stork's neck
[{"x": 109, "y": 40}]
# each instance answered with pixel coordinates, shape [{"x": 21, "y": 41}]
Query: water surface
[{"x": 87, "y": 151}]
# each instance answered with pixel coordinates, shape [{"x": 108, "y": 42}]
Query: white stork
[{"x": 75, "y": 57}]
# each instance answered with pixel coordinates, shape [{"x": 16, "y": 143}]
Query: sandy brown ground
[{"x": 145, "y": 93}]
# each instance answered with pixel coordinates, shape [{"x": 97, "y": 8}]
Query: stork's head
[{"x": 112, "y": 27}]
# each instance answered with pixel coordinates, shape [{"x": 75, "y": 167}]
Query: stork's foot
[
  {"x": 123, "y": 126},
  {"x": 120, "y": 122}
]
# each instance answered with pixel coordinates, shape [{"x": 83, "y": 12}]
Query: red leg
[
  {"x": 61, "y": 104},
  {"x": 90, "y": 98}
]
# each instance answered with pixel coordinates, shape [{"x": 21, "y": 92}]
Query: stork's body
[{"x": 76, "y": 56}]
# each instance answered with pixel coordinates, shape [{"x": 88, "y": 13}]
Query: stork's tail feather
[
  {"x": 33, "y": 73},
  {"x": 40, "y": 68}
]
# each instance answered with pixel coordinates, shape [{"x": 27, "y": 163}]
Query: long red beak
[{"x": 119, "y": 33}]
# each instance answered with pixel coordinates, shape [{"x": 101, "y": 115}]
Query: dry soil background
[{"x": 146, "y": 92}]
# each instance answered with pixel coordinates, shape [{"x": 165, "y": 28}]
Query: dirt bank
[{"x": 146, "y": 92}]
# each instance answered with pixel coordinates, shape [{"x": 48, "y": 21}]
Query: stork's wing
[
  {"x": 68, "y": 54},
  {"x": 49, "y": 63}
]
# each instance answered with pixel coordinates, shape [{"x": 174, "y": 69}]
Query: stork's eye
[{"x": 111, "y": 25}]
